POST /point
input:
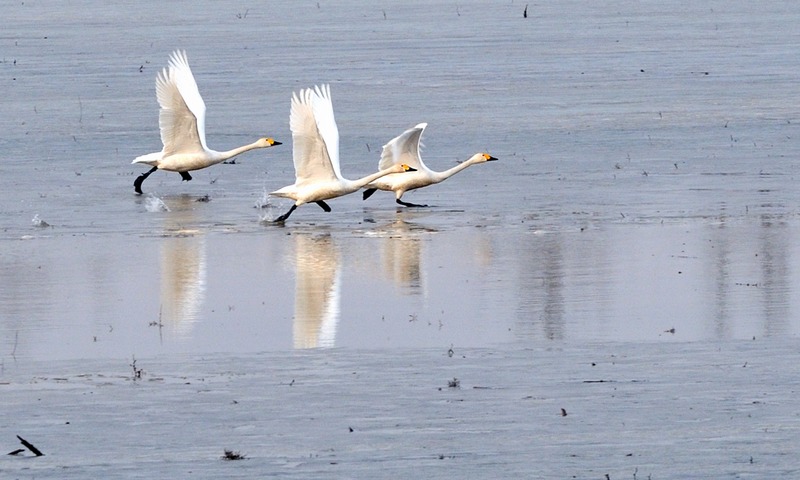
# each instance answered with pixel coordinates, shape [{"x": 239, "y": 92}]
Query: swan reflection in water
[
  {"x": 401, "y": 256},
  {"x": 183, "y": 266},
  {"x": 316, "y": 299}
]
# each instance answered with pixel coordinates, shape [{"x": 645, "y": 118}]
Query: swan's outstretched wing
[
  {"x": 404, "y": 148},
  {"x": 312, "y": 160},
  {"x": 183, "y": 113},
  {"x": 326, "y": 123}
]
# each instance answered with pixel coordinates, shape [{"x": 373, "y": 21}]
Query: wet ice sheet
[
  {"x": 651, "y": 111},
  {"x": 678, "y": 410},
  {"x": 645, "y": 181},
  {"x": 646, "y": 185}
]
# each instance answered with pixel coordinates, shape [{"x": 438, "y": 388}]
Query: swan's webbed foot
[
  {"x": 323, "y": 205},
  {"x": 185, "y": 176},
  {"x": 368, "y": 193},
  {"x": 137, "y": 184},
  {"x": 283, "y": 217},
  {"x": 408, "y": 204}
]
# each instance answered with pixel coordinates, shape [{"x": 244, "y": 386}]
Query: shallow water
[
  {"x": 645, "y": 189},
  {"x": 630, "y": 259},
  {"x": 397, "y": 280}
]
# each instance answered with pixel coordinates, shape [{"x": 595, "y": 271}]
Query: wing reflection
[
  {"x": 316, "y": 299},
  {"x": 542, "y": 285},
  {"x": 183, "y": 267},
  {"x": 402, "y": 256}
]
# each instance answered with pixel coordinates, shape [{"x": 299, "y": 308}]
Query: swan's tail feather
[
  {"x": 150, "y": 158},
  {"x": 283, "y": 192}
]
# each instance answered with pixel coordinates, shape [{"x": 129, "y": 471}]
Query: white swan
[
  {"x": 405, "y": 149},
  {"x": 315, "y": 151},
  {"x": 182, "y": 119}
]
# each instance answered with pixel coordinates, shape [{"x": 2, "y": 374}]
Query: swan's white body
[
  {"x": 405, "y": 148},
  {"x": 182, "y": 121},
  {"x": 315, "y": 151}
]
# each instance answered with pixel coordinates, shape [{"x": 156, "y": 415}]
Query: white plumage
[
  {"x": 315, "y": 152},
  {"x": 182, "y": 120},
  {"x": 405, "y": 148}
]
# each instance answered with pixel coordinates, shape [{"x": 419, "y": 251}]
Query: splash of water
[
  {"x": 263, "y": 202},
  {"x": 38, "y": 222},
  {"x": 264, "y": 205},
  {"x": 155, "y": 204}
]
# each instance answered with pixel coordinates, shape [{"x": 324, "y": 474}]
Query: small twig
[
  {"x": 30, "y": 447},
  {"x": 137, "y": 372}
]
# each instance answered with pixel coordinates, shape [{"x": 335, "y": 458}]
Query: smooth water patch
[{"x": 406, "y": 282}]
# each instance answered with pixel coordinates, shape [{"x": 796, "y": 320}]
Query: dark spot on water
[{"x": 231, "y": 455}]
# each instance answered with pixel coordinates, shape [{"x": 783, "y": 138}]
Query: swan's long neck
[
  {"x": 441, "y": 176},
  {"x": 357, "y": 184},
  {"x": 222, "y": 156}
]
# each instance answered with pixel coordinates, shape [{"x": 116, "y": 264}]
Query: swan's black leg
[
  {"x": 407, "y": 204},
  {"x": 137, "y": 184},
  {"x": 324, "y": 206},
  {"x": 368, "y": 193},
  {"x": 185, "y": 176},
  {"x": 285, "y": 215}
]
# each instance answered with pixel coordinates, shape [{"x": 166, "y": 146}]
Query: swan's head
[
  {"x": 402, "y": 167},
  {"x": 481, "y": 157},
  {"x": 267, "y": 142}
]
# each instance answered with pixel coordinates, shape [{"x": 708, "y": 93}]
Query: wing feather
[
  {"x": 404, "y": 148},
  {"x": 183, "y": 112},
  {"x": 326, "y": 124},
  {"x": 311, "y": 158}
]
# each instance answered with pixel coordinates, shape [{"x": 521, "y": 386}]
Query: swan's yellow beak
[
  {"x": 488, "y": 157},
  {"x": 408, "y": 168},
  {"x": 272, "y": 142}
]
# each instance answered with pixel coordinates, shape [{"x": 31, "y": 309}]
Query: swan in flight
[
  {"x": 315, "y": 151},
  {"x": 405, "y": 149},
  {"x": 182, "y": 119}
]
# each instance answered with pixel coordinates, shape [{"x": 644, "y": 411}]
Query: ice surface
[{"x": 630, "y": 258}]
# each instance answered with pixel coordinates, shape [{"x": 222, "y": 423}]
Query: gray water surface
[{"x": 645, "y": 190}]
